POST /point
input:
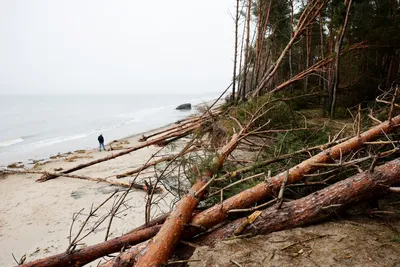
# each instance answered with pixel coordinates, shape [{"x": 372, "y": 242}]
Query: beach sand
[{"x": 36, "y": 217}]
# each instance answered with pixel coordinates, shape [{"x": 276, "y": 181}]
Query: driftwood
[
  {"x": 152, "y": 163},
  {"x": 113, "y": 156},
  {"x": 95, "y": 179},
  {"x": 316, "y": 206}
]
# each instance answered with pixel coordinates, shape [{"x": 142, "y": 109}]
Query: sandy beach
[{"x": 36, "y": 217}]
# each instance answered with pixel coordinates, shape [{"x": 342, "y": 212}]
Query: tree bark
[
  {"x": 316, "y": 206},
  {"x": 337, "y": 61},
  {"x": 91, "y": 253},
  {"x": 247, "y": 52},
  {"x": 161, "y": 247},
  {"x": 233, "y": 97},
  {"x": 249, "y": 197}
]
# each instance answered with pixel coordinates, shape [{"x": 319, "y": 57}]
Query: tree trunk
[
  {"x": 233, "y": 97},
  {"x": 337, "y": 61},
  {"x": 316, "y": 206},
  {"x": 249, "y": 197},
  {"x": 91, "y": 253},
  {"x": 95, "y": 179},
  {"x": 247, "y": 52},
  {"x": 161, "y": 247}
]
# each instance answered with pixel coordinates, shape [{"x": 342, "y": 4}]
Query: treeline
[{"x": 347, "y": 50}]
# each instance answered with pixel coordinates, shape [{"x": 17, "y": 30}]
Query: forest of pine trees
[{"x": 347, "y": 51}]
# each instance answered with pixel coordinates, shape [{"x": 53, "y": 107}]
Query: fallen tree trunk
[
  {"x": 172, "y": 129},
  {"x": 247, "y": 198},
  {"x": 161, "y": 247},
  {"x": 218, "y": 213},
  {"x": 152, "y": 163},
  {"x": 182, "y": 124},
  {"x": 316, "y": 206},
  {"x": 113, "y": 156},
  {"x": 91, "y": 253},
  {"x": 95, "y": 179}
]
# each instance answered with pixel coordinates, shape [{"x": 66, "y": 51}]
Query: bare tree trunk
[
  {"x": 321, "y": 30},
  {"x": 316, "y": 206},
  {"x": 308, "y": 53},
  {"x": 236, "y": 51},
  {"x": 337, "y": 61},
  {"x": 247, "y": 52},
  {"x": 291, "y": 36}
]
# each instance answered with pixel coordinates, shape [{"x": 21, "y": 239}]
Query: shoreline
[
  {"x": 30, "y": 162},
  {"x": 36, "y": 217}
]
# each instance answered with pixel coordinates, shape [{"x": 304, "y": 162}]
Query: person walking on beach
[{"x": 101, "y": 142}]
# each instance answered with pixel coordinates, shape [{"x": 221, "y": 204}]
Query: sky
[{"x": 115, "y": 46}]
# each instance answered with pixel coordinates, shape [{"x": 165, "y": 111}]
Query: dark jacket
[{"x": 101, "y": 139}]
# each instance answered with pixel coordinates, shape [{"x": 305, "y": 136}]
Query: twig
[
  {"x": 280, "y": 195},
  {"x": 236, "y": 263},
  {"x": 237, "y": 182},
  {"x": 253, "y": 208}
]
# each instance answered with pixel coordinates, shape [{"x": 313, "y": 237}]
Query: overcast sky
[{"x": 115, "y": 46}]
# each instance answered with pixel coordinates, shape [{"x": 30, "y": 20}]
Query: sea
[{"x": 35, "y": 127}]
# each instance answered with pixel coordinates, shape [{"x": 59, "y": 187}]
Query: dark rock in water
[{"x": 186, "y": 106}]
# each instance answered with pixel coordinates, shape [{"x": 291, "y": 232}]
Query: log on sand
[
  {"x": 316, "y": 206},
  {"x": 91, "y": 253},
  {"x": 113, "y": 156},
  {"x": 95, "y": 179}
]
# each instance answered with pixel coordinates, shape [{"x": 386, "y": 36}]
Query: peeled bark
[{"x": 316, "y": 206}]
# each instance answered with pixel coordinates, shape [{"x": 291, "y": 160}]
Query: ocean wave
[
  {"x": 11, "y": 142},
  {"x": 60, "y": 139}
]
